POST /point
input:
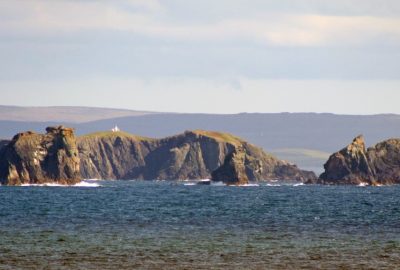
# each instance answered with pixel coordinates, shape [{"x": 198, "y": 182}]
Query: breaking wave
[{"x": 80, "y": 184}]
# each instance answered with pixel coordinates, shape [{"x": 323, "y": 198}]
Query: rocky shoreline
[
  {"x": 59, "y": 157},
  {"x": 192, "y": 155},
  {"x": 356, "y": 165},
  {"x": 31, "y": 158}
]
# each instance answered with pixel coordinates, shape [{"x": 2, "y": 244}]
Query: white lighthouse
[{"x": 115, "y": 129}]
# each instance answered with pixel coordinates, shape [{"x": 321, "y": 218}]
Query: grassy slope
[
  {"x": 304, "y": 158},
  {"x": 63, "y": 114},
  {"x": 104, "y": 134},
  {"x": 220, "y": 136}
]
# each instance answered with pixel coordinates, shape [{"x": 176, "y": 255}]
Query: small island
[
  {"x": 58, "y": 156},
  {"x": 356, "y": 165}
]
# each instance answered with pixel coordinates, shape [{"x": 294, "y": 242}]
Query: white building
[{"x": 115, "y": 129}]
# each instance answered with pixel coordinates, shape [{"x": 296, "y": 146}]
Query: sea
[{"x": 180, "y": 225}]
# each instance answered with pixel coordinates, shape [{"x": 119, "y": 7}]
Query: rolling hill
[{"x": 301, "y": 138}]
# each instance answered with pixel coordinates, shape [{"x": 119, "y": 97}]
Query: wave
[
  {"x": 86, "y": 184},
  {"x": 80, "y": 184},
  {"x": 273, "y": 185},
  {"x": 44, "y": 185},
  {"x": 189, "y": 184},
  {"x": 249, "y": 185},
  {"x": 298, "y": 185}
]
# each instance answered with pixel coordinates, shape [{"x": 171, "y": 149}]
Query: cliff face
[
  {"x": 233, "y": 171},
  {"x": 384, "y": 160},
  {"x": 355, "y": 165},
  {"x": 3, "y": 143},
  {"x": 113, "y": 155},
  {"x": 116, "y": 155},
  {"x": 31, "y": 158},
  {"x": 192, "y": 155}
]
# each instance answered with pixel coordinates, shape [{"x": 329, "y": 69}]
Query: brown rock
[
  {"x": 233, "y": 171},
  {"x": 192, "y": 155},
  {"x": 355, "y": 165},
  {"x": 31, "y": 158}
]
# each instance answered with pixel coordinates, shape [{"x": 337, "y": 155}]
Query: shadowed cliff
[
  {"x": 191, "y": 155},
  {"x": 354, "y": 164},
  {"x": 31, "y": 158}
]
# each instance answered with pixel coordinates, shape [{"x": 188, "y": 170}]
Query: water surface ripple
[{"x": 167, "y": 225}]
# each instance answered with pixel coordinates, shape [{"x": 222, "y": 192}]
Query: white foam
[
  {"x": 273, "y": 185},
  {"x": 86, "y": 184},
  {"x": 189, "y": 184},
  {"x": 80, "y": 184},
  {"x": 249, "y": 185},
  {"x": 44, "y": 185},
  {"x": 363, "y": 184},
  {"x": 299, "y": 184}
]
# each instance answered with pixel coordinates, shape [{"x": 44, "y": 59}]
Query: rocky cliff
[
  {"x": 31, "y": 158},
  {"x": 191, "y": 155},
  {"x": 114, "y": 155},
  {"x": 233, "y": 170},
  {"x": 58, "y": 157},
  {"x": 3, "y": 143},
  {"x": 354, "y": 164}
]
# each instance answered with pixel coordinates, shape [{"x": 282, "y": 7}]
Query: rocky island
[
  {"x": 192, "y": 155},
  {"x": 58, "y": 157},
  {"x": 356, "y": 165},
  {"x": 31, "y": 158}
]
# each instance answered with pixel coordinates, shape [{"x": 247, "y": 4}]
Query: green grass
[
  {"x": 220, "y": 136},
  {"x": 308, "y": 159},
  {"x": 110, "y": 134},
  {"x": 311, "y": 153}
]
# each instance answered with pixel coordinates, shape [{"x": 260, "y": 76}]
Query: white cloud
[{"x": 149, "y": 18}]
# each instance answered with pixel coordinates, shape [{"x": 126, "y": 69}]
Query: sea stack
[
  {"x": 355, "y": 165},
  {"x": 233, "y": 171},
  {"x": 31, "y": 158}
]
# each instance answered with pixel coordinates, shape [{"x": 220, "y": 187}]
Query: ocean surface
[{"x": 173, "y": 225}]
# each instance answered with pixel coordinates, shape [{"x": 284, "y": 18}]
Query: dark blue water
[{"x": 164, "y": 225}]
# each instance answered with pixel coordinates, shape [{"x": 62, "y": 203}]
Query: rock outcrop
[
  {"x": 233, "y": 170},
  {"x": 31, "y": 158},
  {"x": 191, "y": 155},
  {"x": 355, "y": 165},
  {"x": 114, "y": 155}
]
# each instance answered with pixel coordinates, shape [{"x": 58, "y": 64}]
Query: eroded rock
[
  {"x": 192, "y": 155},
  {"x": 354, "y": 164},
  {"x": 31, "y": 158}
]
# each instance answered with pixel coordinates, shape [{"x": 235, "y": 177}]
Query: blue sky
[{"x": 223, "y": 56}]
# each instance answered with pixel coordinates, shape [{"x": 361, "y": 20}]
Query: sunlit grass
[{"x": 111, "y": 134}]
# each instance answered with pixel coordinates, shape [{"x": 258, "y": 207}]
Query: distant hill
[
  {"x": 302, "y": 138},
  {"x": 323, "y": 132},
  {"x": 62, "y": 114},
  {"x": 305, "y": 158}
]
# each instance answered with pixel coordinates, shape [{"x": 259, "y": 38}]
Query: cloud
[{"x": 150, "y": 18}]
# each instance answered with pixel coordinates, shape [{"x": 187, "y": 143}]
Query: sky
[{"x": 209, "y": 56}]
